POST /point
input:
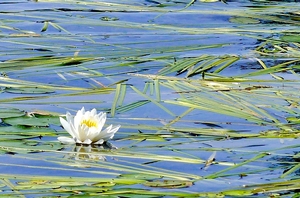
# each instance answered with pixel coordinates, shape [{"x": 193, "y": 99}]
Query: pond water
[{"x": 206, "y": 93}]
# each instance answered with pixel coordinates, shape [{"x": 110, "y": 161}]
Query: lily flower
[{"x": 86, "y": 128}]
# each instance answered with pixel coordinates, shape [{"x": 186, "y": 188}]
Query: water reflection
[{"x": 81, "y": 152}]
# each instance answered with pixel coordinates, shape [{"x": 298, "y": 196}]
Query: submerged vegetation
[{"x": 206, "y": 92}]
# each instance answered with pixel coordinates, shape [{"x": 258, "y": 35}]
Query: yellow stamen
[{"x": 89, "y": 123}]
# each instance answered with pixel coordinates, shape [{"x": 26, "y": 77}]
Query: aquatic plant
[{"x": 86, "y": 128}]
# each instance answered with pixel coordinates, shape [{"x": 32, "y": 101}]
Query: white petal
[
  {"x": 82, "y": 131},
  {"x": 114, "y": 129},
  {"x": 82, "y": 110},
  {"x": 67, "y": 126},
  {"x": 70, "y": 118},
  {"x": 92, "y": 133},
  {"x": 78, "y": 118},
  {"x": 93, "y": 112},
  {"x": 87, "y": 141},
  {"x": 103, "y": 135},
  {"x": 77, "y": 141},
  {"x": 111, "y": 132},
  {"x": 99, "y": 142},
  {"x": 108, "y": 133},
  {"x": 87, "y": 115},
  {"x": 101, "y": 119},
  {"x": 66, "y": 140}
]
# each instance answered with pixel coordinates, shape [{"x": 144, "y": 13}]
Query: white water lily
[{"x": 86, "y": 128}]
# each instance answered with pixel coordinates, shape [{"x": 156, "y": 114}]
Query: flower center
[{"x": 89, "y": 123}]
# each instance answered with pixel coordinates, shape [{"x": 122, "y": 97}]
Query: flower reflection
[{"x": 82, "y": 152}]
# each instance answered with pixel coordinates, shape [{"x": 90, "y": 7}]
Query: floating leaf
[
  {"x": 27, "y": 130},
  {"x": 138, "y": 176},
  {"x": 34, "y": 120},
  {"x": 290, "y": 38},
  {"x": 244, "y": 20},
  {"x": 29, "y": 146},
  {"x": 45, "y": 26},
  {"x": 106, "y": 18},
  {"x": 28, "y": 90},
  {"x": 168, "y": 184},
  {"x": 9, "y": 113},
  {"x": 294, "y": 120},
  {"x": 17, "y": 137},
  {"x": 132, "y": 106}
]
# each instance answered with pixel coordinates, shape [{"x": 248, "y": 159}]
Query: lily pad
[
  {"x": 34, "y": 120},
  {"x": 16, "y": 137},
  {"x": 25, "y": 130},
  {"x": 29, "y": 146},
  {"x": 9, "y": 113}
]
